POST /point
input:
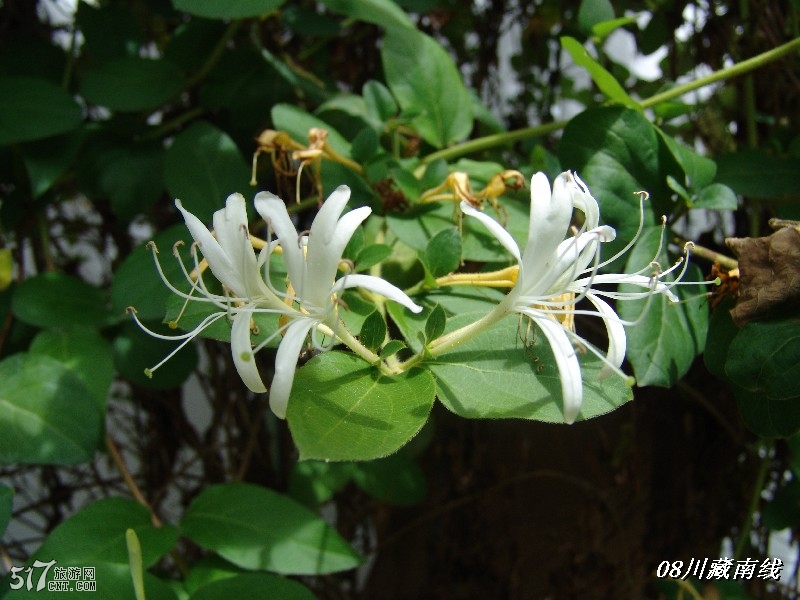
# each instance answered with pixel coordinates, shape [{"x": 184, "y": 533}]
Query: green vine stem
[{"x": 500, "y": 139}]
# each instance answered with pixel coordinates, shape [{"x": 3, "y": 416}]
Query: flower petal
[
  {"x": 326, "y": 243},
  {"x": 494, "y": 228},
  {"x": 218, "y": 260},
  {"x": 570, "y": 260},
  {"x": 549, "y": 221},
  {"x": 569, "y": 370},
  {"x": 273, "y": 210},
  {"x": 583, "y": 200},
  {"x": 286, "y": 364},
  {"x": 379, "y": 286},
  {"x": 230, "y": 227},
  {"x": 617, "y": 341},
  {"x": 243, "y": 358}
]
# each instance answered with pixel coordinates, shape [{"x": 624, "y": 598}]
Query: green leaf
[
  {"x": 343, "y": 409},
  {"x": 85, "y": 352},
  {"x": 700, "y": 170},
  {"x": 373, "y": 331},
  {"x": 253, "y": 585},
  {"x": 663, "y": 344},
  {"x": 768, "y": 418},
  {"x": 391, "y": 348},
  {"x": 32, "y": 109},
  {"x": 604, "y": 28},
  {"x": 395, "y": 479},
  {"x": 112, "y": 581},
  {"x": 379, "y": 100},
  {"x": 496, "y": 375},
  {"x": 424, "y": 79},
  {"x": 257, "y": 528},
  {"x": 297, "y": 123},
  {"x": 618, "y": 152},
  {"x": 721, "y": 331},
  {"x": 47, "y": 160},
  {"x": 435, "y": 323},
  {"x": 717, "y": 196},
  {"x": 203, "y": 167},
  {"x": 757, "y": 174},
  {"x": 313, "y": 482},
  {"x": 97, "y": 534},
  {"x": 230, "y": 9},
  {"x": 54, "y": 299},
  {"x": 372, "y": 255},
  {"x": 762, "y": 415},
  {"x": 132, "y": 84},
  {"x": 46, "y": 413},
  {"x": 110, "y": 31},
  {"x": 593, "y": 12},
  {"x": 764, "y": 358},
  {"x": 379, "y": 12},
  {"x": 443, "y": 253},
  {"x": 131, "y": 173},
  {"x": 6, "y": 507},
  {"x": 601, "y": 77}
]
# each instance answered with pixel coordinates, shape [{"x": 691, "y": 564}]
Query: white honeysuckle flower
[
  {"x": 558, "y": 269},
  {"x": 310, "y": 305},
  {"x": 312, "y": 262}
]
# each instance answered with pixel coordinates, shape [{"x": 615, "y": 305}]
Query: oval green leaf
[
  {"x": 257, "y": 528},
  {"x": 32, "y": 109},
  {"x": 497, "y": 375},
  {"x": 47, "y": 415},
  {"x": 132, "y": 84},
  {"x": 426, "y": 82},
  {"x": 378, "y": 12},
  {"x": 85, "y": 352},
  {"x": 54, "y": 299},
  {"x": 230, "y": 9},
  {"x": 343, "y": 409},
  {"x": 764, "y": 357},
  {"x": 253, "y": 585},
  {"x": 97, "y": 534},
  {"x": 618, "y": 152},
  {"x": 203, "y": 167}
]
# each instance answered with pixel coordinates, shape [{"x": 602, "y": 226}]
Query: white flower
[
  {"x": 556, "y": 273},
  {"x": 312, "y": 262},
  {"x": 310, "y": 305}
]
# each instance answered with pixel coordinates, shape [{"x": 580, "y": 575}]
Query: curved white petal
[
  {"x": 569, "y": 260},
  {"x": 218, "y": 260},
  {"x": 617, "y": 341},
  {"x": 549, "y": 221},
  {"x": 243, "y": 358},
  {"x": 494, "y": 228},
  {"x": 327, "y": 242},
  {"x": 328, "y": 215},
  {"x": 379, "y": 286},
  {"x": 230, "y": 227},
  {"x": 286, "y": 364},
  {"x": 583, "y": 200},
  {"x": 569, "y": 370},
  {"x": 273, "y": 210}
]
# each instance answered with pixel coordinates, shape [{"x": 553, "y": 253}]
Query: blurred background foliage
[{"x": 110, "y": 110}]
